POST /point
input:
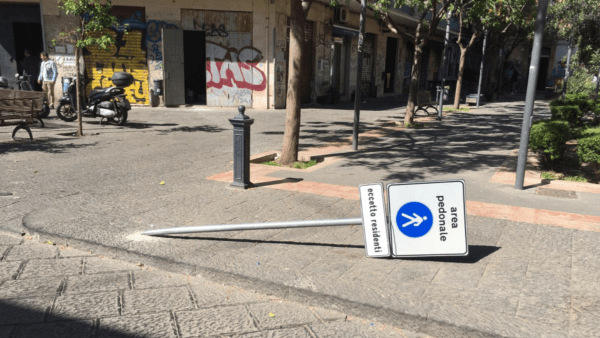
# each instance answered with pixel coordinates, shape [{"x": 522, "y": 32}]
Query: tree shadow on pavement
[
  {"x": 47, "y": 145},
  {"x": 464, "y": 142},
  {"x": 206, "y": 129},
  {"x": 133, "y": 125},
  {"x": 30, "y": 317}
]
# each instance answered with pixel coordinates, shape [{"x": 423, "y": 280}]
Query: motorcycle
[
  {"x": 106, "y": 103},
  {"x": 23, "y": 83}
]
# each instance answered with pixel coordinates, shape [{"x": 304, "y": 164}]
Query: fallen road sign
[
  {"x": 422, "y": 219},
  {"x": 428, "y": 219}
]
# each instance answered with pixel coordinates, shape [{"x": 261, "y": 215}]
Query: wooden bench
[
  {"x": 424, "y": 102},
  {"x": 20, "y": 108}
]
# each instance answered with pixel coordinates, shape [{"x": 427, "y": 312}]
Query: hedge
[
  {"x": 588, "y": 148},
  {"x": 549, "y": 137},
  {"x": 570, "y": 114}
]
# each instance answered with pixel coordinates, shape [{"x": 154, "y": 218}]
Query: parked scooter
[
  {"x": 24, "y": 84},
  {"x": 106, "y": 103}
]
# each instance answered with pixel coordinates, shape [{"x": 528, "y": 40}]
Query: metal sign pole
[
  {"x": 255, "y": 226},
  {"x": 444, "y": 66},
  {"x": 481, "y": 67},
  {"x": 357, "y": 92},
  {"x": 534, "y": 70}
]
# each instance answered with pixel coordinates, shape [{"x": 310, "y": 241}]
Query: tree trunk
[
  {"x": 414, "y": 85},
  {"x": 291, "y": 136},
  {"x": 461, "y": 69},
  {"x": 78, "y": 92}
]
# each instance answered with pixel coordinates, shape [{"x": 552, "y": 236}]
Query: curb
[{"x": 434, "y": 319}]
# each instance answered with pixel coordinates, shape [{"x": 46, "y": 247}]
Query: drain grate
[{"x": 556, "y": 193}]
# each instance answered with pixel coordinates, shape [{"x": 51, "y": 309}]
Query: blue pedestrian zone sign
[
  {"x": 414, "y": 219},
  {"x": 428, "y": 219}
]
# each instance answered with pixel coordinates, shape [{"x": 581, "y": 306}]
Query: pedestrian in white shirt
[{"x": 47, "y": 78}]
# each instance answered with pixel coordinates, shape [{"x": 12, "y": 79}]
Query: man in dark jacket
[{"x": 30, "y": 67}]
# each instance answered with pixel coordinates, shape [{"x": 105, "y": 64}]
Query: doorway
[
  {"x": 194, "y": 63},
  {"x": 28, "y": 36},
  {"x": 390, "y": 65},
  {"x": 541, "y": 80},
  {"x": 340, "y": 64}
]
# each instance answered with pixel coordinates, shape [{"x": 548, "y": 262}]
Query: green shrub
[
  {"x": 549, "y": 137},
  {"x": 581, "y": 83},
  {"x": 577, "y": 96},
  {"x": 588, "y": 149},
  {"x": 558, "y": 102},
  {"x": 570, "y": 114}
]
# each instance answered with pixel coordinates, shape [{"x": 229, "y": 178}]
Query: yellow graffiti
[{"x": 127, "y": 55}]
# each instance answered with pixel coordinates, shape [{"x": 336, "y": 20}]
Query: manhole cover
[{"x": 556, "y": 193}]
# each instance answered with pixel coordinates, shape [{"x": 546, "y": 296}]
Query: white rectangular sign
[
  {"x": 375, "y": 227},
  {"x": 428, "y": 219}
]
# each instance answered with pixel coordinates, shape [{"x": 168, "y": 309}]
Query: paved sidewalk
[
  {"x": 54, "y": 291},
  {"x": 526, "y": 276}
]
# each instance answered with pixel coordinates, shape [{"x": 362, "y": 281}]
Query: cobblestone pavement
[
  {"x": 99, "y": 192},
  {"x": 48, "y": 290}
]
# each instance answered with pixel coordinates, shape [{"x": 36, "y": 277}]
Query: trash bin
[{"x": 158, "y": 84}]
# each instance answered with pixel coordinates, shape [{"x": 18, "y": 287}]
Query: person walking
[{"x": 47, "y": 78}]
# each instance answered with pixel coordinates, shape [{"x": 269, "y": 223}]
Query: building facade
[{"x": 223, "y": 53}]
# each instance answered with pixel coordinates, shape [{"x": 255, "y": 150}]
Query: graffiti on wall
[
  {"x": 211, "y": 29},
  {"x": 232, "y": 75},
  {"x": 126, "y": 56},
  {"x": 154, "y": 42},
  {"x": 138, "y": 47}
]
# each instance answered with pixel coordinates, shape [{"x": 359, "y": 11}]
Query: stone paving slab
[
  {"x": 86, "y": 306},
  {"x": 109, "y": 304},
  {"x": 217, "y": 321},
  {"x": 81, "y": 329},
  {"x": 103, "y": 282},
  {"x": 157, "y": 325}
]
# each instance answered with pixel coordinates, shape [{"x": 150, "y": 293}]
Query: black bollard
[{"x": 241, "y": 149}]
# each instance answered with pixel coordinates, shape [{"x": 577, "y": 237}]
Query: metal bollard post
[{"x": 241, "y": 149}]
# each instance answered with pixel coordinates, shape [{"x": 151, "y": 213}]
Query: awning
[{"x": 339, "y": 30}]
